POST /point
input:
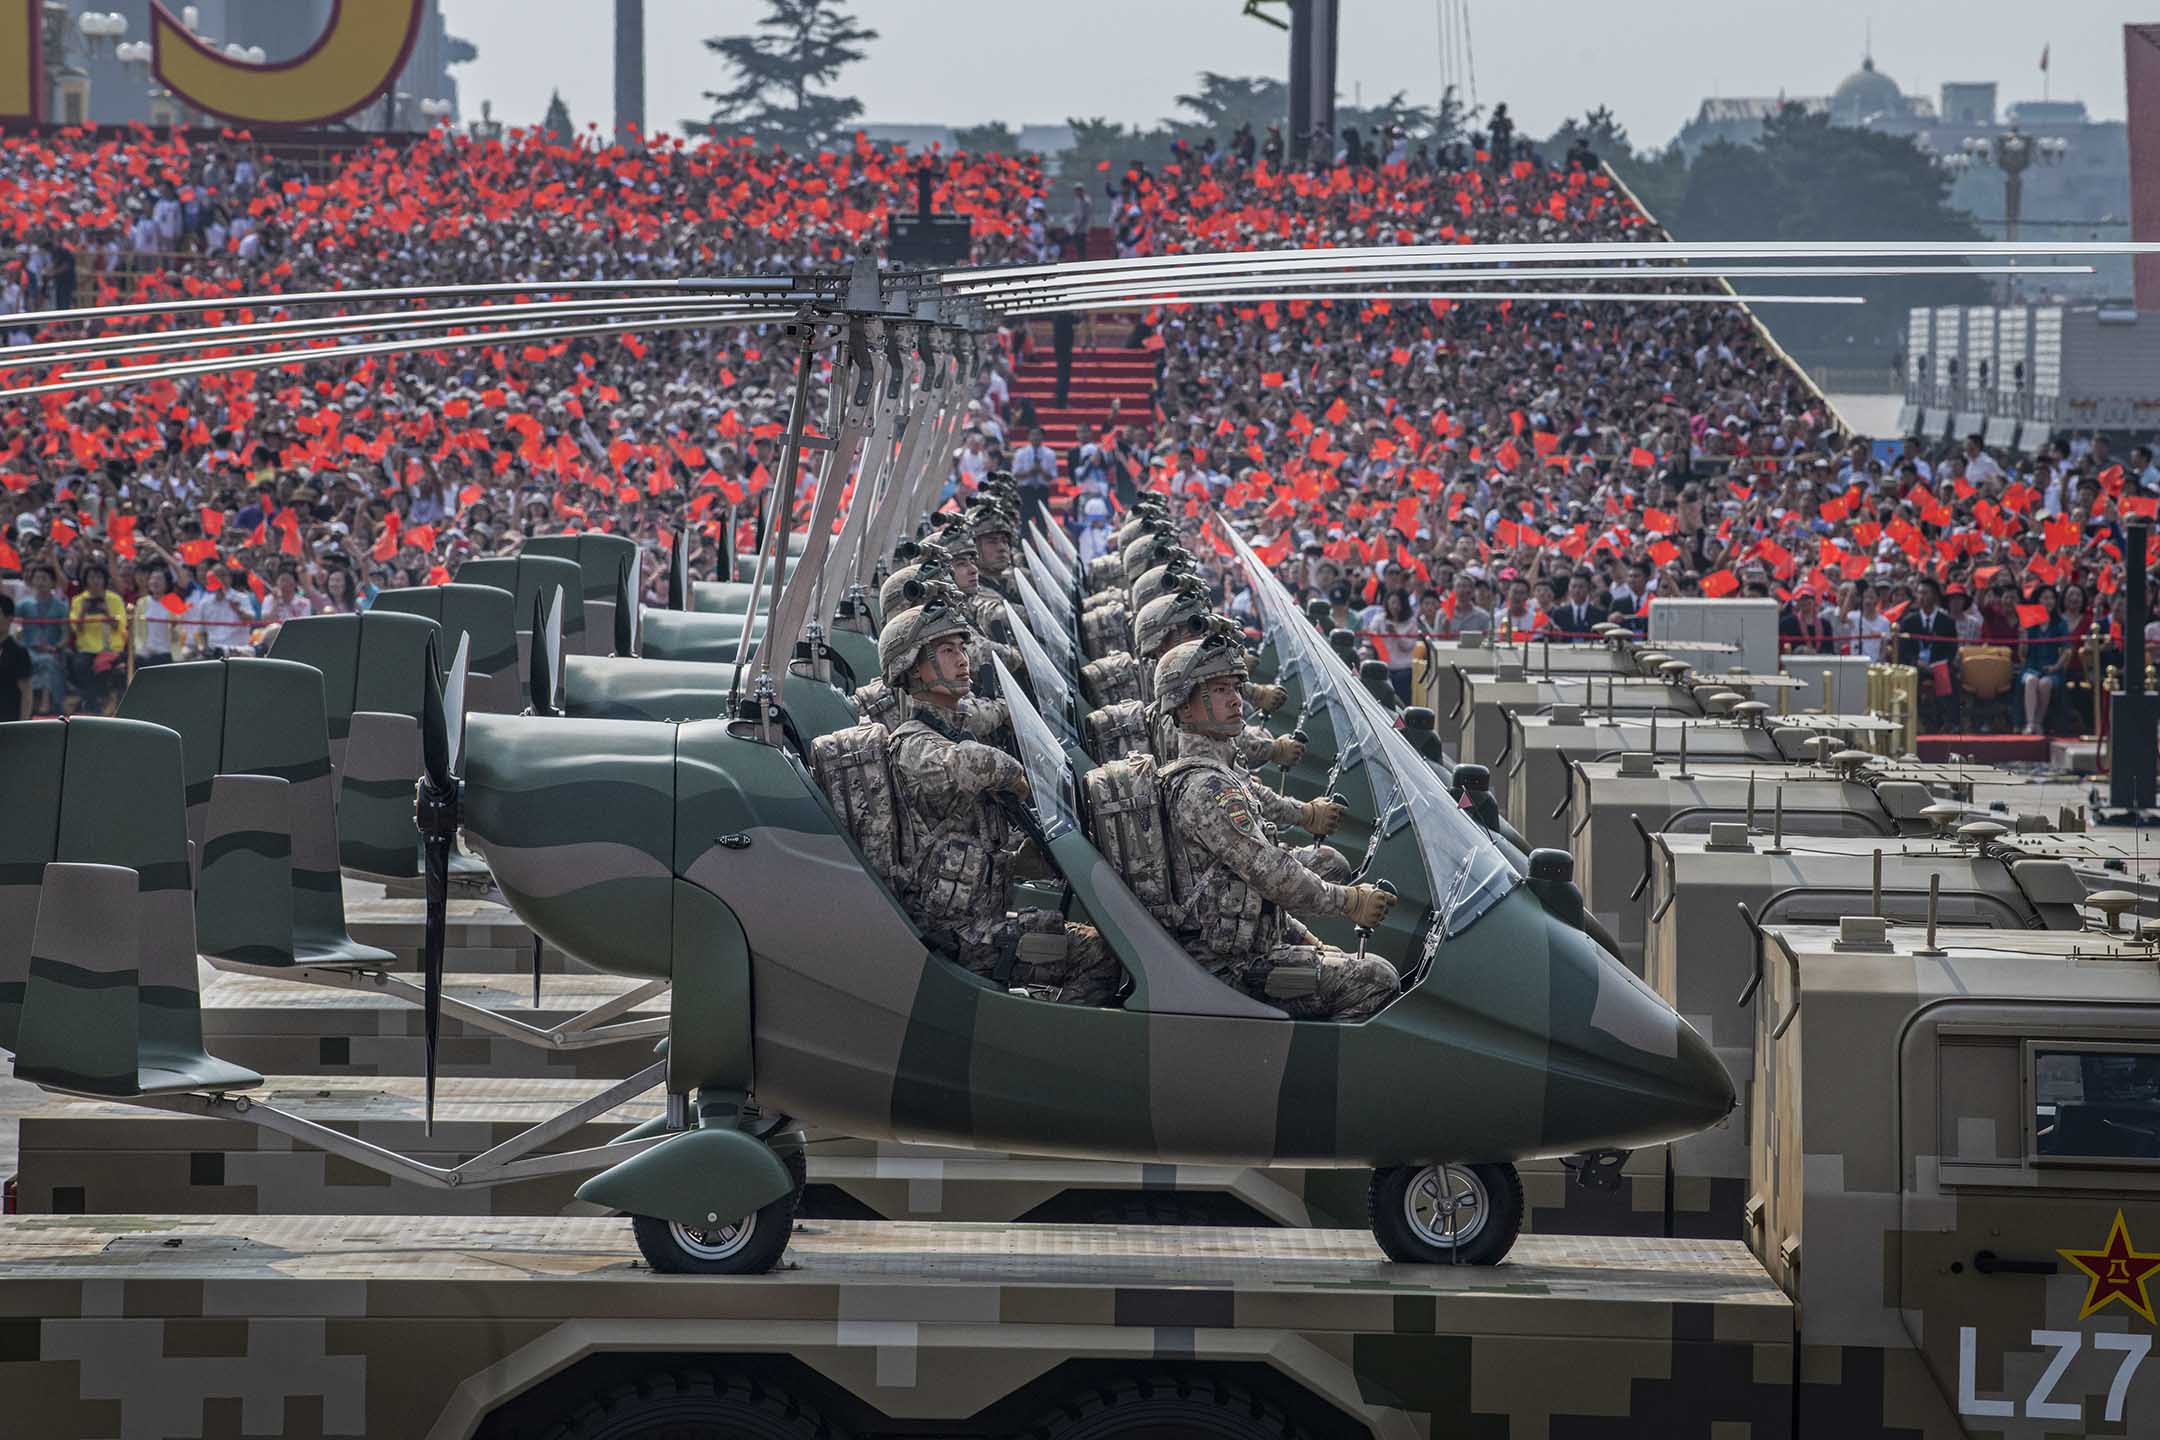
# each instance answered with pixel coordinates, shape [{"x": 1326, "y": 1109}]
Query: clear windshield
[
  {"x": 1056, "y": 638},
  {"x": 1056, "y": 598},
  {"x": 1468, "y": 872},
  {"x": 1044, "y": 676},
  {"x": 1060, "y": 544},
  {"x": 1055, "y": 563},
  {"x": 1049, "y": 776}
]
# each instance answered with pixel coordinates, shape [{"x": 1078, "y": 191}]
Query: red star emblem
[{"x": 2117, "y": 1272}]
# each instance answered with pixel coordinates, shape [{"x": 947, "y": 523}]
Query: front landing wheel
[
  {"x": 749, "y": 1245},
  {"x": 1446, "y": 1214}
]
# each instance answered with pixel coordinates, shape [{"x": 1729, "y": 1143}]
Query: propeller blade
[
  {"x": 546, "y": 656},
  {"x": 679, "y": 567},
  {"x": 626, "y": 600},
  {"x": 553, "y": 636},
  {"x": 442, "y": 737}
]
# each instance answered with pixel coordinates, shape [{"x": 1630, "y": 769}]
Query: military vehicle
[
  {"x": 1532, "y": 775},
  {"x": 1614, "y": 806}
]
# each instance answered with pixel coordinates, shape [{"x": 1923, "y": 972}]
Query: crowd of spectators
[{"x": 1430, "y": 467}]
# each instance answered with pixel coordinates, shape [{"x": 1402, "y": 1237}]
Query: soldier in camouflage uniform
[
  {"x": 1237, "y": 893},
  {"x": 956, "y": 838},
  {"x": 994, "y": 525},
  {"x": 887, "y": 704}
]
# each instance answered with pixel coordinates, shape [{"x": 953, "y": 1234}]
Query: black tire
[
  {"x": 749, "y": 1247},
  {"x": 694, "y": 1405},
  {"x": 1412, "y": 1230},
  {"x": 1167, "y": 1407}
]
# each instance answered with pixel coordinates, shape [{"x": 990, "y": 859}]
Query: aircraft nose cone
[{"x": 1627, "y": 1070}]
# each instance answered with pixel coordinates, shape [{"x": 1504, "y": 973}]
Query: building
[
  {"x": 2017, "y": 374},
  {"x": 94, "y": 85},
  {"x": 2081, "y": 193}
]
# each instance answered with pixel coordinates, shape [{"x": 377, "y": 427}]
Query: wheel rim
[
  {"x": 1446, "y": 1205},
  {"x": 720, "y": 1242}
]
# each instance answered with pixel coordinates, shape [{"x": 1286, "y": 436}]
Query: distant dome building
[{"x": 1866, "y": 94}]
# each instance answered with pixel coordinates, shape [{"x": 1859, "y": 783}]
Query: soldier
[
  {"x": 1169, "y": 620},
  {"x": 956, "y": 835},
  {"x": 904, "y": 590},
  {"x": 1238, "y": 894},
  {"x": 994, "y": 527}
]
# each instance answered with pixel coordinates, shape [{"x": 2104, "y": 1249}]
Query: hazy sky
[{"x": 967, "y": 61}]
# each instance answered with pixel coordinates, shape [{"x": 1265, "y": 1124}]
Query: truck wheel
[
  {"x": 1446, "y": 1214},
  {"x": 664, "y": 1404},
  {"x": 750, "y": 1245},
  {"x": 1167, "y": 1407}
]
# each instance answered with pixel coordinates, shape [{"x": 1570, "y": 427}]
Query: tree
[
  {"x": 1807, "y": 179},
  {"x": 557, "y": 126},
  {"x": 800, "y": 46},
  {"x": 994, "y": 137},
  {"x": 1097, "y": 141},
  {"x": 1224, "y": 102}
]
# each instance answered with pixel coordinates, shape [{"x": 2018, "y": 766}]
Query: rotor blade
[
  {"x": 626, "y": 599},
  {"x": 1619, "y": 297},
  {"x": 546, "y": 652},
  {"x": 781, "y": 288},
  {"x": 1469, "y": 255},
  {"x": 679, "y": 565},
  {"x": 330, "y": 327},
  {"x": 86, "y": 380},
  {"x": 1231, "y": 277}
]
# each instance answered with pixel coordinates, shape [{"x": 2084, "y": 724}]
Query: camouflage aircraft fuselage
[{"x": 618, "y": 840}]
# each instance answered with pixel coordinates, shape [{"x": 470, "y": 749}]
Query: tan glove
[
  {"x": 1287, "y": 750},
  {"x": 1369, "y": 905},
  {"x": 1321, "y": 817},
  {"x": 1267, "y": 699}
]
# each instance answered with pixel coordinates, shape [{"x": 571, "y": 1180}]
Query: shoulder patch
[{"x": 1230, "y": 797}]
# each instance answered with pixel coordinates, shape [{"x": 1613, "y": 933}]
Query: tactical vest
[
  {"x": 1222, "y": 920},
  {"x": 953, "y": 863},
  {"x": 854, "y": 768},
  {"x": 879, "y": 703},
  {"x": 1116, "y": 732},
  {"x": 1112, "y": 680},
  {"x": 1130, "y": 828},
  {"x": 1104, "y": 629}
]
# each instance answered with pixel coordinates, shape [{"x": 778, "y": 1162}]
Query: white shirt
[
  {"x": 1871, "y": 631},
  {"x": 1035, "y": 462}
]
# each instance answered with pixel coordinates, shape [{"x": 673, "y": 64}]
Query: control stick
[{"x": 1364, "y": 932}]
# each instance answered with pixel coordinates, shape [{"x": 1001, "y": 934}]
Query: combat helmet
[
  {"x": 1145, "y": 553},
  {"x": 1176, "y": 566},
  {"x": 1185, "y": 668},
  {"x": 894, "y": 595},
  {"x": 1182, "y": 610},
  {"x": 934, "y": 612}
]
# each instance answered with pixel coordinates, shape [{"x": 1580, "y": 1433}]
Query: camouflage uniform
[
  {"x": 957, "y": 865},
  {"x": 1237, "y": 893},
  {"x": 984, "y": 720}
]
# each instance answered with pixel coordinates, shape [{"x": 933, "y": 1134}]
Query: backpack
[
  {"x": 1116, "y": 732},
  {"x": 1105, "y": 630},
  {"x": 1131, "y": 828},
  {"x": 1113, "y": 679},
  {"x": 854, "y": 768}
]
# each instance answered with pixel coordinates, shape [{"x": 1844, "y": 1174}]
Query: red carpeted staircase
[{"x": 1109, "y": 384}]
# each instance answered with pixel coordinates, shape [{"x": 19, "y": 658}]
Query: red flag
[
  {"x": 213, "y": 521},
  {"x": 1657, "y": 522},
  {"x": 1720, "y": 583},
  {"x": 195, "y": 552},
  {"x": 421, "y": 538},
  {"x": 1642, "y": 459},
  {"x": 10, "y": 561},
  {"x": 123, "y": 535},
  {"x": 173, "y": 603},
  {"x": 2032, "y": 616}
]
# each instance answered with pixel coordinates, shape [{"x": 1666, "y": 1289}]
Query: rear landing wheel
[
  {"x": 1446, "y": 1214},
  {"x": 747, "y": 1245}
]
